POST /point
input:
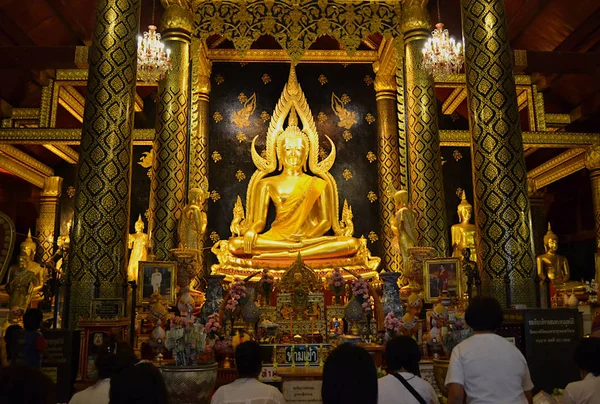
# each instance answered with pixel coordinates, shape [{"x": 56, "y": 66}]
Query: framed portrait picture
[
  {"x": 157, "y": 276},
  {"x": 442, "y": 274}
]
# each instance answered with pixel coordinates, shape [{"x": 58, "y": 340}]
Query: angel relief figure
[
  {"x": 347, "y": 118},
  {"x": 241, "y": 118}
]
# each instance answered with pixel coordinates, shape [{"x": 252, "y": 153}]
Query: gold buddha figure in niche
[
  {"x": 304, "y": 195},
  {"x": 554, "y": 266},
  {"x": 463, "y": 233}
]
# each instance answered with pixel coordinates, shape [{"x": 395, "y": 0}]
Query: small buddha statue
[
  {"x": 471, "y": 271},
  {"x": 20, "y": 284},
  {"x": 404, "y": 225},
  {"x": 192, "y": 225},
  {"x": 463, "y": 233},
  {"x": 554, "y": 266},
  {"x": 138, "y": 244}
]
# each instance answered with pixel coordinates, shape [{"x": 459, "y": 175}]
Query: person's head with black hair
[
  {"x": 248, "y": 360},
  {"x": 124, "y": 357},
  {"x": 11, "y": 336},
  {"x": 26, "y": 385},
  {"x": 484, "y": 314},
  {"x": 587, "y": 356},
  {"x": 105, "y": 364},
  {"x": 139, "y": 384},
  {"x": 402, "y": 353},
  {"x": 349, "y": 377},
  {"x": 32, "y": 319}
]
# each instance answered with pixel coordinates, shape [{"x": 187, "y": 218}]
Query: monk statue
[
  {"x": 291, "y": 178},
  {"x": 404, "y": 225},
  {"x": 554, "y": 266},
  {"x": 138, "y": 244},
  {"x": 463, "y": 233},
  {"x": 192, "y": 225}
]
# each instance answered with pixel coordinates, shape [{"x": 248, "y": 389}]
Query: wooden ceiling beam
[
  {"x": 525, "y": 16},
  {"x": 580, "y": 38},
  {"x": 558, "y": 167},
  {"x": 72, "y": 101},
  {"x": 38, "y": 57},
  {"x": 65, "y": 152},
  {"x": 72, "y": 23},
  {"x": 561, "y": 63}
]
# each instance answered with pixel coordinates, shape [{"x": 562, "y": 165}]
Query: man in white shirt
[
  {"x": 587, "y": 358},
  {"x": 402, "y": 356},
  {"x": 246, "y": 389},
  {"x": 487, "y": 368},
  {"x": 98, "y": 393}
]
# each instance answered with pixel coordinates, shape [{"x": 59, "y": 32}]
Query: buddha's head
[
  {"x": 401, "y": 198},
  {"x": 465, "y": 209},
  {"x": 139, "y": 225},
  {"x": 550, "y": 241},
  {"x": 27, "y": 247},
  {"x": 292, "y": 145},
  {"x": 197, "y": 196}
]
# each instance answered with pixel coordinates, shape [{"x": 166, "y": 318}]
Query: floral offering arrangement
[
  {"x": 187, "y": 340},
  {"x": 336, "y": 284},
  {"x": 236, "y": 293},
  {"x": 458, "y": 331},
  {"x": 392, "y": 324},
  {"x": 212, "y": 326}
]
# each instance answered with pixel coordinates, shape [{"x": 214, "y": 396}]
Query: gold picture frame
[
  {"x": 166, "y": 282},
  {"x": 436, "y": 281}
]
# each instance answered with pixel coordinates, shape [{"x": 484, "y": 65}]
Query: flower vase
[
  {"x": 353, "y": 313},
  {"x": 214, "y": 296},
  {"x": 250, "y": 312},
  {"x": 391, "y": 294}
]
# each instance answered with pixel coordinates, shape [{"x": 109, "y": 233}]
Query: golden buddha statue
[
  {"x": 138, "y": 244},
  {"x": 192, "y": 225},
  {"x": 554, "y": 266},
  {"x": 306, "y": 205},
  {"x": 27, "y": 249},
  {"x": 404, "y": 225},
  {"x": 463, "y": 233}
]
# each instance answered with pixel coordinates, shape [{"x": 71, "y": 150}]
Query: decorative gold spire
[
  {"x": 139, "y": 221},
  {"x": 293, "y": 118}
]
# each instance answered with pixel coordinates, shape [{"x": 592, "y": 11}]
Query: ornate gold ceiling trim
[
  {"x": 21, "y": 170},
  {"x": 296, "y": 24},
  {"x": 462, "y": 138},
  {"x": 557, "y": 168},
  {"x": 65, "y": 152},
  {"x": 25, "y": 159},
  {"x": 72, "y": 101},
  {"x": 454, "y": 100},
  {"x": 56, "y": 136},
  {"x": 280, "y": 55}
]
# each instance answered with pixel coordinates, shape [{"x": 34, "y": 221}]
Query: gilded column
[
  {"x": 46, "y": 222},
  {"x": 101, "y": 219},
  {"x": 499, "y": 173},
  {"x": 388, "y": 160},
  {"x": 592, "y": 163},
  {"x": 198, "y": 154},
  {"x": 426, "y": 185},
  {"x": 169, "y": 177}
]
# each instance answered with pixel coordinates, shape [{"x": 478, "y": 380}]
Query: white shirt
[
  {"x": 490, "y": 369},
  {"x": 247, "y": 391},
  {"x": 96, "y": 394},
  {"x": 586, "y": 391},
  {"x": 391, "y": 390}
]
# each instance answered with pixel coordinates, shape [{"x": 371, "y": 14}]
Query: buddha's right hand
[{"x": 249, "y": 240}]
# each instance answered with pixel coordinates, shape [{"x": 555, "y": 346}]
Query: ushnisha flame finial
[
  {"x": 293, "y": 86},
  {"x": 293, "y": 118}
]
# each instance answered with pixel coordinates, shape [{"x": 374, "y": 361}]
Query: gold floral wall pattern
[
  {"x": 229, "y": 177},
  {"x": 347, "y": 118},
  {"x": 296, "y": 24}
]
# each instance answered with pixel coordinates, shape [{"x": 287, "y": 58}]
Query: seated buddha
[
  {"x": 304, "y": 195},
  {"x": 555, "y": 267},
  {"x": 303, "y": 205}
]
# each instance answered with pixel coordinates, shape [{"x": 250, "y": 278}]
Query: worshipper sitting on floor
[
  {"x": 105, "y": 364},
  {"x": 349, "y": 377},
  {"x": 25, "y": 385},
  {"x": 587, "y": 358},
  {"x": 246, "y": 389},
  {"x": 35, "y": 343},
  {"x": 486, "y": 368},
  {"x": 403, "y": 384},
  {"x": 139, "y": 384}
]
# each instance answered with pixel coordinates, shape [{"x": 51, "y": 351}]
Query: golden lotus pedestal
[{"x": 241, "y": 267}]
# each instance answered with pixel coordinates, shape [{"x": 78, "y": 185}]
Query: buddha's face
[
  {"x": 293, "y": 151},
  {"x": 466, "y": 214},
  {"x": 552, "y": 245},
  {"x": 139, "y": 227}
]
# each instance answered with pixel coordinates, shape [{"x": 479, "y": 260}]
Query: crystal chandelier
[
  {"x": 441, "y": 54},
  {"x": 152, "y": 58}
]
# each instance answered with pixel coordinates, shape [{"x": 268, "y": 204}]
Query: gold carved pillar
[
  {"x": 499, "y": 173},
  {"x": 169, "y": 177},
  {"x": 388, "y": 161},
  {"x": 46, "y": 222},
  {"x": 198, "y": 153},
  {"x": 592, "y": 163},
  {"x": 426, "y": 185},
  {"x": 101, "y": 220}
]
